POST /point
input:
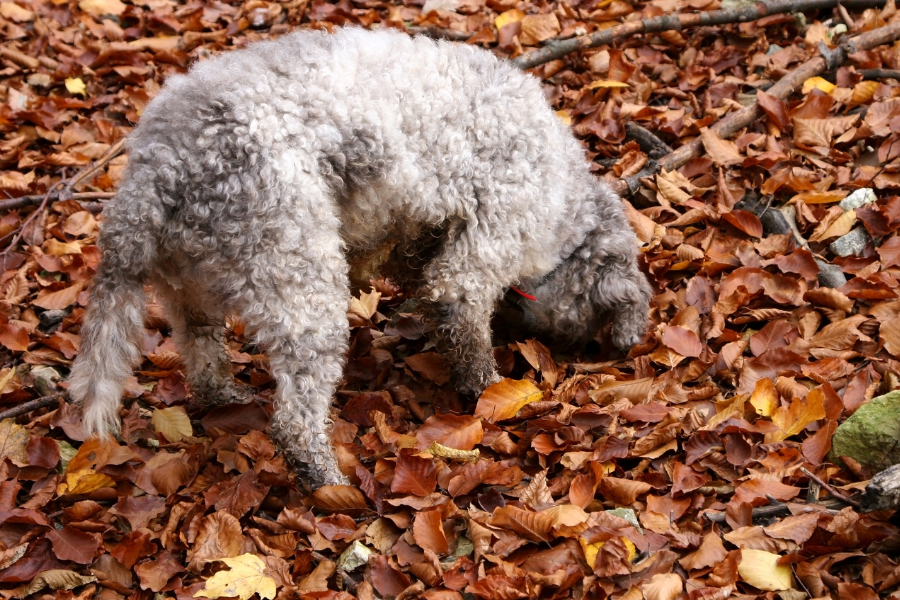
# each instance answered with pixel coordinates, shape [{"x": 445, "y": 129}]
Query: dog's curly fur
[{"x": 252, "y": 178}]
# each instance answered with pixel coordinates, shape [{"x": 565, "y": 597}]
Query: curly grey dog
[{"x": 253, "y": 179}]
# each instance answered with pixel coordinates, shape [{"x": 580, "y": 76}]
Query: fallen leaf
[{"x": 246, "y": 577}]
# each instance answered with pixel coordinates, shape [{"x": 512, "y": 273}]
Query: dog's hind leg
[
  {"x": 293, "y": 294},
  {"x": 198, "y": 331}
]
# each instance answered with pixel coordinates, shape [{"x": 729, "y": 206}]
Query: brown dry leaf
[
  {"x": 622, "y": 491},
  {"x": 413, "y": 475},
  {"x": 428, "y": 531},
  {"x": 502, "y": 400},
  {"x": 219, "y": 536},
  {"x": 59, "y": 299},
  {"x": 841, "y": 226},
  {"x": 682, "y": 341},
  {"x": 461, "y": 432},
  {"x": 172, "y": 422},
  {"x": 663, "y": 586},
  {"x": 722, "y": 152},
  {"x": 537, "y": 28},
  {"x": 338, "y": 498},
  {"x": 820, "y": 132},
  {"x": 532, "y": 526},
  {"x": 710, "y": 553},
  {"x": 317, "y": 581},
  {"x": 13, "y": 440}
]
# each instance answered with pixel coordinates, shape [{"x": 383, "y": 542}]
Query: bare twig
[
  {"x": 110, "y": 154},
  {"x": 440, "y": 33},
  {"x": 647, "y": 140},
  {"x": 27, "y": 407},
  {"x": 777, "y": 510},
  {"x": 38, "y": 198},
  {"x": 880, "y": 74},
  {"x": 731, "y": 123},
  {"x": 677, "y": 22},
  {"x": 829, "y": 488}
]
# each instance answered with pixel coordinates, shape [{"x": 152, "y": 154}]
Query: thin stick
[
  {"x": 830, "y": 489},
  {"x": 27, "y": 407},
  {"x": 731, "y": 123},
  {"x": 30, "y": 218},
  {"x": 677, "y": 22},
  {"x": 879, "y": 74},
  {"x": 113, "y": 152},
  {"x": 776, "y": 510},
  {"x": 440, "y": 33},
  {"x": 37, "y": 198}
]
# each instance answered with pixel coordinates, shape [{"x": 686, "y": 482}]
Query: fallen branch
[
  {"x": 782, "y": 221},
  {"x": 883, "y": 492},
  {"x": 440, "y": 33},
  {"x": 647, "y": 140},
  {"x": 22, "y": 201},
  {"x": 27, "y": 407},
  {"x": 677, "y": 22},
  {"x": 733, "y": 122},
  {"x": 879, "y": 74},
  {"x": 777, "y": 510}
]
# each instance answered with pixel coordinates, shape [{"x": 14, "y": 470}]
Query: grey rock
[
  {"x": 858, "y": 198},
  {"x": 852, "y": 243}
]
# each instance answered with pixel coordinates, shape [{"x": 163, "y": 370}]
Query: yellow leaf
[
  {"x": 84, "y": 482},
  {"x": 503, "y": 399},
  {"x": 246, "y": 577},
  {"x": 57, "y": 248},
  {"x": 761, "y": 570},
  {"x": 765, "y": 398},
  {"x": 565, "y": 117},
  {"x": 842, "y": 226},
  {"x": 862, "y": 92},
  {"x": 607, "y": 83},
  {"x": 793, "y": 419},
  {"x": 510, "y": 16},
  {"x": 13, "y": 439},
  {"x": 172, "y": 422},
  {"x": 819, "y": 84},
  {"x": 591, "y": 550},
  {"x": 76, "y": 86}
]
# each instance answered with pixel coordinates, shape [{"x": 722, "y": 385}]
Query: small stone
[
  {"x": 870, "y": 435},
  {"x": 51, "y": 318},
  {"x": 354, "y": 557},
  {"x": 858, "y": 198},
  {"x": 852, "y": 243}
]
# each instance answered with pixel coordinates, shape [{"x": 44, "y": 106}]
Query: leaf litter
[{"x": 591, "y": 475}]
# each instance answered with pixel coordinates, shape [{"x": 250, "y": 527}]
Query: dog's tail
[{"x": 113, "y": 324}]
